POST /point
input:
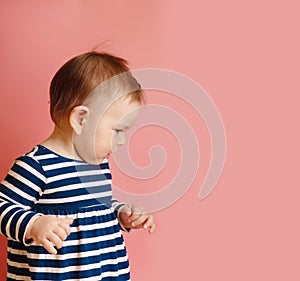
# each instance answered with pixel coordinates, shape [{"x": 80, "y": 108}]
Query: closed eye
[{"x": 118, "y": 130}]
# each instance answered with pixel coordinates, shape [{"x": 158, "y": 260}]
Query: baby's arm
[
  {"x": 132, "y": 216},
  {"x": 19, "y": 192}
]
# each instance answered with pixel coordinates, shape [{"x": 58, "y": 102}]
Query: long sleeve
[
  {"x": 117, "y": 206},
  {"x": 19, "y": 192}
]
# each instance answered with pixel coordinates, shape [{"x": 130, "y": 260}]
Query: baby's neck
[{"x": 60, "y": 141}]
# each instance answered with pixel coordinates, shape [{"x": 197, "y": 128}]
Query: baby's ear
[{"x": 78, "y": 117}]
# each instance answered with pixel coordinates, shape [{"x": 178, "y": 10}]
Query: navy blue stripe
[
  {"x": 64, "y": 182},
  {"x": 123, "y": 277},
  {"x": 15, "y": 245},
  {"x": 66, "y": 194},
  {"x": 91, "y": 233},
  {"x": 24, "y": 224},
  {"x": 18, "y": 198},
  {"x": 56, "y": 206},
  {"x": 19, "y": 271},
  {"x": 35, "y": 249},
  {"x": 6, "y": 218},
  {"x": 60, "y": 263},
  {"x": 83, "y": 274},
  {"x": 59, "y": 171},
  {"x": 50, "y": 161},
  {"x": 26, "y": 174},
  {"x": 16, "y": 258}
]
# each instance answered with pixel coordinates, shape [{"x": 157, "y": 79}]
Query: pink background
[{"x": 245, "y": 54}]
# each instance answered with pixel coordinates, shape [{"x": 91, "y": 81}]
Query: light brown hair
[{"x": 79, "y": 76}]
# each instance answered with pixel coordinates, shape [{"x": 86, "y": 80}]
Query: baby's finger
[
  {"x": 136, "y": 212},
  {"x": 139, "y": 221},
  {"x": 149, "y": 222},
  {"x": 48, "y": 246},
  {"x": 152, "y": 226},
  {"x": 57, "y": 242},
  {"x": 65, "y": 225},
  {"x": 61, "y": 232}
]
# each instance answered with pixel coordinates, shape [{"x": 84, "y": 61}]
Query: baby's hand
[
  {"x": 131, "y": 216},
  {"x": 49, "y": 231}
]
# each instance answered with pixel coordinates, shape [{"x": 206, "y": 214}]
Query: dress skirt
[{"x": 94, "y": 250}]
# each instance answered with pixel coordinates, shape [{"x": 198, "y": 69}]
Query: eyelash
[{"x": 118, "y": 130}]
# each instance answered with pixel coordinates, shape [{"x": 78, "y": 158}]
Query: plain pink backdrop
[{"x": 245, "y": 54}]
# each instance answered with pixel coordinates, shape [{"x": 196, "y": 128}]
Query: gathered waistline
[{"x": 69, "y": 211}]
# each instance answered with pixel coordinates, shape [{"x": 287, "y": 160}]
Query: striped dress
[{"x": 46, "y": 183}]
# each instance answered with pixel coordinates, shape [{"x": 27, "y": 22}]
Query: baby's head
[
  {"x": 91, "y": 94},
  {"x": 76, "y": 80}
]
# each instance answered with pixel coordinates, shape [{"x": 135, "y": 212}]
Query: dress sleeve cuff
[
  {"x": 117, "y": 206},
  {"x": 28, "y": 242}
]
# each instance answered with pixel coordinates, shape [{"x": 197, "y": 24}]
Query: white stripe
[
  {"x": 17, "y": 226},
  {"x": 15, "y": 277},
  {"x": 20, "y": 192},
  {"x": 46, "y": 156},
  {"x": 85, "y": 241},
  {"x": 24, "y": 181},
  {"x": 31, "y": 170},
  {"x": 105, "y": 274},
  {"x": 4, "y": 214},
  {"x": 72, "y": 255},
  {"x": 80, "y": 267},
  {"x": 62, "y": 165},
  {"x": 17, "y": 204},
  {"x": 77, "y": 186},
  {"x": 19, "y": 223},
  {"x": 115, "y": 273},
  {"x": 7, "y": 228},
  {"x": 76, "y": 174},
  {"x": 31, "y": 154},
  {"x": 95, "y": 226},
  {"x": 88, "y": 214},
  {"x": 97, "y": 279}
]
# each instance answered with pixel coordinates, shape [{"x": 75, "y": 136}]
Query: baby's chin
[
  {"x": 92, "y": 159},
  {"x": 101, "y": 159}
]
